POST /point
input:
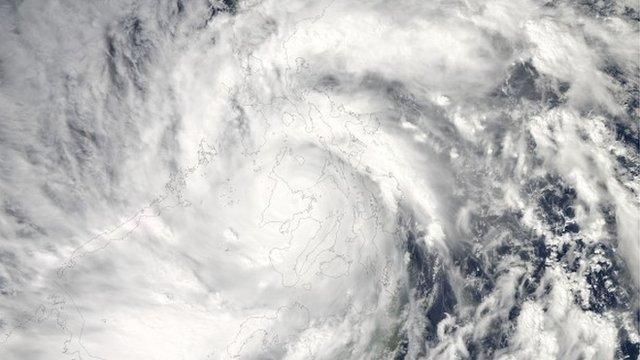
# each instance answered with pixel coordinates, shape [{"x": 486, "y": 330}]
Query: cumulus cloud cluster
[{"x": 333, "y": 179}]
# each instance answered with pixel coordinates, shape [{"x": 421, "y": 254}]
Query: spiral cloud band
[{"x": 329, "y": 179}]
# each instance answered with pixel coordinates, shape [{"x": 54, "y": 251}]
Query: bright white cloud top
[{"x": 319, "y": 179}]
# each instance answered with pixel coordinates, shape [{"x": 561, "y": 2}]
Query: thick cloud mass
[{"x": 330, "y": 179}]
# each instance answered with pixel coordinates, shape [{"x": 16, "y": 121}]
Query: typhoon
[{"x": 326, "y": 179}]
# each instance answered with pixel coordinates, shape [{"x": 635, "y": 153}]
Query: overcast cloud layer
[{"x": 341, "y": 179}]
